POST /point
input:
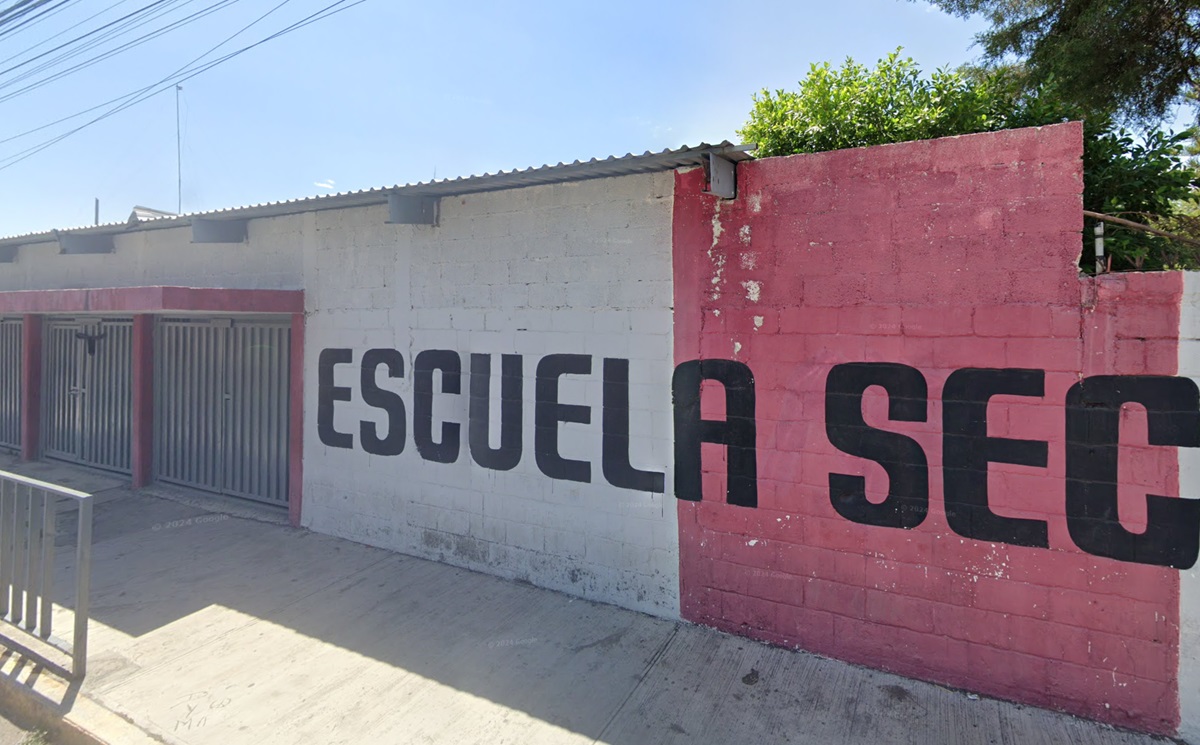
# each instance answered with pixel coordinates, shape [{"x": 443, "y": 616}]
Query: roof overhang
[{"x": 205, "y": 225}]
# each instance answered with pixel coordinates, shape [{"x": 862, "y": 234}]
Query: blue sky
[{"x": 393, "y": 92}]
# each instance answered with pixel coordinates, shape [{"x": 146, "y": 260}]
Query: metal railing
[
  {"x": 1101, "y": 218},
  {"x": 29, "y": 511}
]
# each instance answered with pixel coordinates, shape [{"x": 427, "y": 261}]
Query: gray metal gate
[
  {"x": 11, "y": 363},
  {"x": 88, "y": 391},
  {"x": 221, "y": 405}
]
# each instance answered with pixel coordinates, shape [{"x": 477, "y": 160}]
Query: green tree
[
  {"x": 854, "y": 106},
  {"x": 1134, "y": 59},
  {"x": 1142, "y": 179}
]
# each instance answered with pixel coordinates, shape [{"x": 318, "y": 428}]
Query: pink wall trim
[
  {"x": 143, "y": 399},
  {"x": 296, "y": 421},
  {"x": 152, "y": 299},
  {"x": 31, "y": 387}
]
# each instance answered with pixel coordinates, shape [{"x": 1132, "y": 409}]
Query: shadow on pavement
[{"x": 209, "y": 628}]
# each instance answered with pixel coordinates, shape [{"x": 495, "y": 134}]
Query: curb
[{"x": 81, "y": 722}]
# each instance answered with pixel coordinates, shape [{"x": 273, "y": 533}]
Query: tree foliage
[
  {"x": 854, "y": 106},
  {"x": 1142, "y": 179},
  {"x": 1134, "y": 59}
]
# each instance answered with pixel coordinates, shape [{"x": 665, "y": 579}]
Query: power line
[
  {"x": 185, "y": 21},
  {"x": 72, "y": 27},
  {"x": 38, "y": 18},
  {"x": 94, "y": 31},
  {"x": 19, "y": 10},
  {"x": 132, "y": 94},
  {"x": 74, "y": 48},
  {"x": 27, "y": 12},
  {"x": 167, "y": 83}
]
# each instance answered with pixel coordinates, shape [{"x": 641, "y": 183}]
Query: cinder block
[
  {"x": 1016, "y": 598},
  {"x": 896, "y": 609}
]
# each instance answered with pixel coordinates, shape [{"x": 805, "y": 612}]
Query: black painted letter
[
  {"x": 1172, "y": 536},
  {"x": 508, "y": 455},
  {"x": 967, "y": 450},
  {"x": 450, "y": 364},
  {"x": 548, "y": 412},
  {"x": 389, "y": 401},
  {"x": 328, "y": 393},
  {"x": 907, "y": 501},
  {"x": 615, "y": 423},
  {"x": 737, "y": 433}
]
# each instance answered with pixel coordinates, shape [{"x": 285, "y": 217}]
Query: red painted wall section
[
  {"x": 151, "y": 299},
  {"x": 31, "y": 386},
  {"x": 142, "y": 440},
  {"x": 938, "y": 255},
  {"x": 296, "y": 420}
]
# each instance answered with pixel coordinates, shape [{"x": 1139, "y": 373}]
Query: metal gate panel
[
  {"x": 11, "y": 364},
  {"x": 222, "y": 392},
  {"x": 108, "y": 398},
  {"x": 189, "y": 397},
  {"x": 60, "y": 392},
  {"x": 88, "y": 392},
  {"x": 256, "y": 451}
]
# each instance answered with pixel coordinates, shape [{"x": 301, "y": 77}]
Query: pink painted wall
[{"x": 938, "y": 255}]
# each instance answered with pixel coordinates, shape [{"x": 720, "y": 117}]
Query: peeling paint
[
  {"x": 753, "y": 290},
  {"x": 717, "y": 228},
  {"x": 717, "y": 259}
]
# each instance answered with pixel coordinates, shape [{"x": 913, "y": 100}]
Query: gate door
[
  {"x": 88, "y": 410},
  {"x": 10, "y": 382},
  {"x": 221, "y": 405}
]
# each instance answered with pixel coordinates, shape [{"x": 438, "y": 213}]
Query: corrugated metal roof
[
  {"x": 141, "y": 214},
  {"x": 548, "y": 174}
]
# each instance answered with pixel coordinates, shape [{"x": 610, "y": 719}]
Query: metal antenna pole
[{"x": 178, "y": 154}]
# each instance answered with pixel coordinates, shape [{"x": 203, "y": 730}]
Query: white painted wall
[
  {"x": 574, "y": 268},
  {"x": 1189, "y": 486},
  {"x": 270, "y": 260}
]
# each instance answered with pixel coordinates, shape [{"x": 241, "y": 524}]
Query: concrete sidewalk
[{"x": 212, "y": 625}]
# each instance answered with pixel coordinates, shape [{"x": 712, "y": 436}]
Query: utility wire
[
  {"x": 19, "y": 10},
  {"x": 185, "y": 21},
  {"x": 82, "y": 44},
  {"x": 72, "y": 27},
  {"x": 74, "y": 48},
  {"x": 168, "y": 83},
  {"x": 37, "y": 18},
  {"x": 22, "y": 14},
  {"x": 132, "y": 94},
  {"x": 93, "y": 32}
]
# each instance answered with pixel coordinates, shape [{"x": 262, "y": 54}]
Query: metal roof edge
[{"x": 625, "y": 165}]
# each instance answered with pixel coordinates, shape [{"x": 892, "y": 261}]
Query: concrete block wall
[
  {"x": 517, "y": 278},
  {"x": 902, "y": 429},
  {"x": 1189, "y": 485},
  {"x": 927, "y": 499},
  {"x": 270, "y": 260}
]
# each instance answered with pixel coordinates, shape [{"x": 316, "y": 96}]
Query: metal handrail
[
  {"x": 1139, "y": 226},
  {"x": 28, "y": 528},
  {"x": 1102, "y": 218}
]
